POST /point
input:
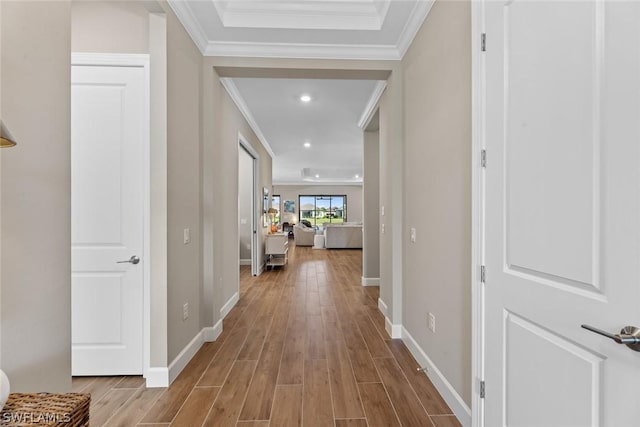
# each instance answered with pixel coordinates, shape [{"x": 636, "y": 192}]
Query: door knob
[
  {"x": 133, "y": 260},
  {"x": 629, "y": 336}
]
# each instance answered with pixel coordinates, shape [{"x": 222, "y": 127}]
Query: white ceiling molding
[
  {"x": 417, "y": 17},
  {"x": 308, "y": 14},
  {"x": 253, "y": 18},
  {"x": 372, "y": 105},
  {"x": 190, "y": 23},
  {"x": 301, "y": 51},
  {"x": 233, "y": 92}
]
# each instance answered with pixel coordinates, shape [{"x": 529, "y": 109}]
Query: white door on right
[{"x": 562, "y": 134}]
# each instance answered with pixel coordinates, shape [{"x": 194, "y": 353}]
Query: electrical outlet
[
  {"x": 432, "y": 323},
  {"x": 185, "y": 311},
  {"x": 382, "y": 228},
  {"x": 187, "y": 236},
  {"x": 413, "y": 235}
]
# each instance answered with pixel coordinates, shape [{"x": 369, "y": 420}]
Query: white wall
[
  {"x": 35, "y": 184},
  {"x": 292, "y": 192},
  {"x": 437, "y": 108},
  {"x": 245, "y": 194}
]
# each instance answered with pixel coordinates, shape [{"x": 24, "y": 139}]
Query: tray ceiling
[{"x": 360, "y": 29}]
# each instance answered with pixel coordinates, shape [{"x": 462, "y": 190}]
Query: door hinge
[
  {"x": 482, "y": 392},
  {"x": 483, "y": 274},
  {"x": 483, "y": 158},
  {"x": 483, "y": 42}
]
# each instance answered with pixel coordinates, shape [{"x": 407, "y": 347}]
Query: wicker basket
[{"x": 46, "y": 409}]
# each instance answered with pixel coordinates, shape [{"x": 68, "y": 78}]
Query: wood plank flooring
[{"x": 304, "y": 346}]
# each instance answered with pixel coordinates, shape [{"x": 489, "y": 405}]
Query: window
[
  {"x": 323, "y": 209},
  {"x": 275, "y": 203}
]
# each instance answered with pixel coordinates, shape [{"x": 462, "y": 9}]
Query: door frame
[
  {"x": 137, "y": 61},
  {"x": 243, "y": 144},
  {"x": 478, "y": 144}
]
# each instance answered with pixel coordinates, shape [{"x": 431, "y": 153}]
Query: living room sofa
[
  {"x": 303, "y": 236},
  {"x": 343, "y": 236}
]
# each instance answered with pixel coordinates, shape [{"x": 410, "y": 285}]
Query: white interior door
[
  {"x": 562, "y": 181},
  {"x": 107, "y": 150}
]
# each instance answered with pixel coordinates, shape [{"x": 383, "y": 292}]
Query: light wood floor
[{"x": 305, "y": 345}]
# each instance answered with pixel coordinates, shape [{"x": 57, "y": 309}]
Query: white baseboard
[
  {"x": 212, "y": 333},
  {"x": 394, "y": 331},
  {"x": 382, "y": 307},
  {"x": 187, "y": 353},
  {"x": 226, "y": 308},
  {"x": 450, "y": 395},
  {"x": 245, "y": 262},
  {"x": 370, "y": 281},
  {"x": 157, "y": 377}
]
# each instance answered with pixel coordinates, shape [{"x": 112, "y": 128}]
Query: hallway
[{"x": 305, "y": 345}]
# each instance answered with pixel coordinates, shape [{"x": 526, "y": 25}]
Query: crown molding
[
  {"x": 301, "y": 51},
  {"x": 190, "y": 23},
  {"x": 317, "y": 15},
  {"x": 420, "y": 11},
  {"x": 237, "y": 98},
  {"x": 372, "y": 105}
]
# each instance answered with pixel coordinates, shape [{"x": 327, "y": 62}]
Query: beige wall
[
  {"x": 184, "y": 65},
  {"x": 109, "y": 26},
  {"x": 36, "y": 196},
  {"x": 437, "y": 109},
  {"x": 291, "y": 192},
  {"x": 371, "y": 209}
]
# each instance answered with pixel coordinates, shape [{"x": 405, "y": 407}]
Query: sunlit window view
[
  {"x": 320, "y": 210},
  {"x": 275, "y": 203}
]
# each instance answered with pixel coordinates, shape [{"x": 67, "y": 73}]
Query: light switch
[
  {"x": 187, "y": 236},
  {"x": 382, "y": 210},
  {"x": 413, "y": 235}
]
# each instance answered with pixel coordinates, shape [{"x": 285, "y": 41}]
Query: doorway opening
[{"x": 247, "y": 205}]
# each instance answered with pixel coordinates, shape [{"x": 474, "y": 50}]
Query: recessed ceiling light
[
  {"x": 317, "y": 176},
  {"x": 307, "y": 144},
  {"x": 305, "y": 98}
]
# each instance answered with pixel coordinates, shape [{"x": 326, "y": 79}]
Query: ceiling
[
  {"x": 329, "y": 123},
  {"x": 355, "y": 29},
  {"x": 321, "y": 29}
]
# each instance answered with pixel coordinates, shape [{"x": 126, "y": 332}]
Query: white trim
[
  {"x": 370, "y": 281},
  {"x": 446, "y": 390},
  {"x": 394, "y": 331},
  {"x": 110, "y": 59},
  {"x": 382, "y": 307},
  {"x": 211, "y": 333},
  {"x": 477, "y": 223},
  {"x": 226, "y": 308},
  {"x": 183, "y": 358},
  {"x": 237, "y": 98},
  {"x": 302, "y": 50},
  {"x": 416, "y": 19},
  {"x": 245, "y": 261},
  {"x": 139, "y": 61},
  {"x": 157, "y": 377},
  {"x": 372, "y": 105}
]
